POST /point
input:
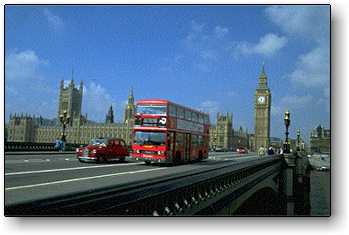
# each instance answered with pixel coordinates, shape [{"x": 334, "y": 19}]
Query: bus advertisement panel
[{"x": 165, "y": 132}]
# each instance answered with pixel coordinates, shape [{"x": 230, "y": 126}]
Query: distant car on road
[
  {"x": 103, "y": 149},
  {"x": 322, "y": 168},
  {"x": 241, "y": 150}
]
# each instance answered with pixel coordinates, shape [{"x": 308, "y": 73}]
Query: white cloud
[
  {"x": 22, "y": 65},
  {"x": 209, "y": 54},
  {"x": 26, "y": 88},
  {"x": 195, "y": 31},
  {"x": 312, "y": 69},
  {"x": 291, "y": 102},
  {"x": 295, "y": 101},
  {"x": 276, "y": 110},
  {"x": 210, "y": 107},
  {"x": 310, "y": 22},
  {"x": 203, "y": 47},
  {"x": 197, "y": 27},
  {"x": 267, "y": 45},
  {"x": 327, "y": 92},
  {"x": 231, "y": 93},
  {"x": 324, "y": 103},
  {"x": 54, "y": 21},
  {"x": 220, "y": 32},
  {"x": 96, "y": 101}
]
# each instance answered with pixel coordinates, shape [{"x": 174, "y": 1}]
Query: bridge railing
[
  {"x": 297, "y": 183},
  {"x": 29, "y": 146},
  {"x": 186, "y": 193}
]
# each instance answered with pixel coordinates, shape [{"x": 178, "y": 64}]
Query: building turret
[
  {"x": 70, "y": 99},
  {"x": 81, "y": 87},
  {"x": 110, "y": 116},
  {"x": 130, "y": 108},
  {"x": 72, "y": 85},
  {"x": 21, "y": 128}
]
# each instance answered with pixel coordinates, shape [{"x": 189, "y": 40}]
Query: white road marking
[
  {"x": 70, "y": 169},
  {"x": 84, "y": 178},
  {"x": 26, "y": 160},
  {"x": 47, "y": 160},
  {"x": 67, "y": 159}
]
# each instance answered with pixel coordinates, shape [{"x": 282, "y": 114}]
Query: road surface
[{"x": 39, "y": 176}]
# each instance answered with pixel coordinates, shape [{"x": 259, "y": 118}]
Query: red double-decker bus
[{"x": 165, "y": 132}]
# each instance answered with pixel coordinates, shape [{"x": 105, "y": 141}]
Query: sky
[{"x": 204, "y": 57}]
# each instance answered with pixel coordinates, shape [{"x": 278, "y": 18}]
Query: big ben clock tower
[{"x": 262, "y": 112}]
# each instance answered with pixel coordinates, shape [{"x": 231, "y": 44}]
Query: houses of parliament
[{"x": 80, "y": 130}]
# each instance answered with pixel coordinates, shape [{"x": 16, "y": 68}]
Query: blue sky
[{"x": 206, "y": 57}]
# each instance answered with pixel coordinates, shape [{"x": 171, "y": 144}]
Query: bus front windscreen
[
  {"x": 151, "y": 109},
  {"x": 151, "y": 138}
]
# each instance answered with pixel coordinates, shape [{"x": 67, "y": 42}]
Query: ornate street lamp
[
  {"x": 287, "y": 121},
  {"x": 64, "y": 119}
]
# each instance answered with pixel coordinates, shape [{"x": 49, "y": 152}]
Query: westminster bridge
[{"x": 55, "y": 183}]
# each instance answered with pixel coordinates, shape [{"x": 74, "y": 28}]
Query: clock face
[{"x": 261, "y": 99}]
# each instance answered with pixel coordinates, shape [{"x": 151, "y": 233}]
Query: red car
[
  {"x": 241, "y": 150},
  {"x": 103, "y": 149}
]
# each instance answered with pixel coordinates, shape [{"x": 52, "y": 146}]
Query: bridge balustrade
[{"x": 29, "y": 146}]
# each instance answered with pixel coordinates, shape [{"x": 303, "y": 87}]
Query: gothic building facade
[
  {"x": 320, "y": 140},
  {"x": 221, "y": 133},
  {"x": 224, "y": 137},
  {"x": 70, "y": 100},
  {"x": 21, "y": 128},
  {"x": 240, "y": 138},
  {"x": 26, "y": 128}
]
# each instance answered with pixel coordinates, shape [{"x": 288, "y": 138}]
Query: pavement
[{"x": 320, "y": 161}]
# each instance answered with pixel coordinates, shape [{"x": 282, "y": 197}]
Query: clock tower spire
[
  {"x": 262, "y": 112},
  {"x": 263, "y": 79}
]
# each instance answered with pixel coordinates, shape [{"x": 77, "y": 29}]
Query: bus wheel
[{"x": 147, "y": 163}]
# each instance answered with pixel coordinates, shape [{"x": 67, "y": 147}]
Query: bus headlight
[
  {"x": 161, "y": 152},
  {"x": 137, "y": 151},
  {"x": 94, "y": 151}
]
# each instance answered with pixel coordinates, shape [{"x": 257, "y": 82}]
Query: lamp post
[
  {"x": 298, "y": 140},
  {"x": 287, "y": 121},
  {"x": 64, "y": 119}
]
